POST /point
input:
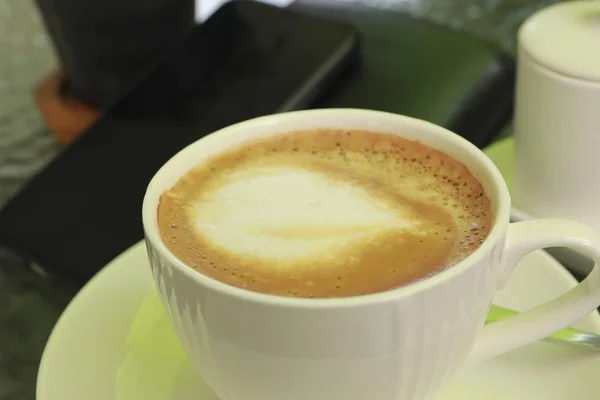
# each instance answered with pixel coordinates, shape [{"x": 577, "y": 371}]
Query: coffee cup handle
[{"x": 542, "y": 321}]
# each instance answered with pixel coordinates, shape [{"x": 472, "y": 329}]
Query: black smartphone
[{"x": 248, "y": 59}]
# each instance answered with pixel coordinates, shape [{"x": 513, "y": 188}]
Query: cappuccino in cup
[
  {"x": 398, "y": 229},
  {"x": 324, "y": 213}
]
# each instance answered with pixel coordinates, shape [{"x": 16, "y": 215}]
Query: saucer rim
[{"x": 62, "y": 323}]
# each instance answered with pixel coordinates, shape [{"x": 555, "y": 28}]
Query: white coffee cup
[
  {"x": 401, "y": 344},
  {"x": 557, "y": 113}
]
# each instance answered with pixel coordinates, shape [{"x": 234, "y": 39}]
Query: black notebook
[{"x": 84, "y": 208}]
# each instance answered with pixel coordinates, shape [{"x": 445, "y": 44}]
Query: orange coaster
[{"x": 66, "y": 116}]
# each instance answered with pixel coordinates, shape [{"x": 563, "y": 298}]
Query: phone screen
[{"x": 248, "y": 59}]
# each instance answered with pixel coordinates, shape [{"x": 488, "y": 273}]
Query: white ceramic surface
[
  {"x": 564, "y": 38},
  {"x": 557, "y": 122},
  {"x": 205, "y": 8},
  {"x": 502, "y": 154},
  {"x": 400, "y": 344},
  {"x": 114, "y": 341}
]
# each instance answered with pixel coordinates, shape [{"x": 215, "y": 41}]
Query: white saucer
[{"x": 114, "y": 342}]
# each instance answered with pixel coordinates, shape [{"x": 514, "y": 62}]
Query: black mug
[{"x": 105, "y": 45}]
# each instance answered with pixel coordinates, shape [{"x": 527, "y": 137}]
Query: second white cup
[{"x": 557, "y": 114}]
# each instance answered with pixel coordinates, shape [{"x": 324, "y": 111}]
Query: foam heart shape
[{"x": 286, "y": 213}]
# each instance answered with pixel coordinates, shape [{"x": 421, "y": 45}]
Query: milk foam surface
[
  {"x": 325, "y": 213},
  {"x": 289, "y": 213}
]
